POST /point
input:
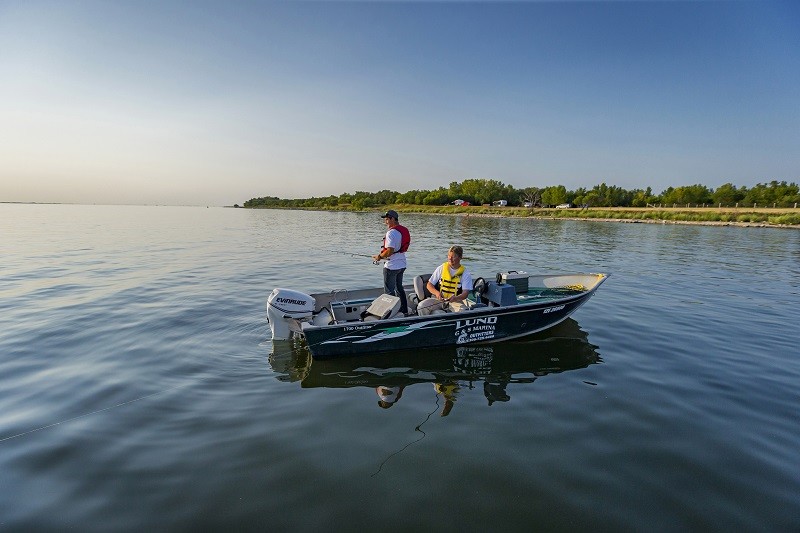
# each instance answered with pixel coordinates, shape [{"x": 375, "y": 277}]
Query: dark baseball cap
[{"x": 391, "y": 213}]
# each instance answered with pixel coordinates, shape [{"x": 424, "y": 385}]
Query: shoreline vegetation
[
  {"x": 709, "y": 216},
  {"x": 772, "y": 204}
]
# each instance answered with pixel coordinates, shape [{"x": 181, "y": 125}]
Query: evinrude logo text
[{"x": 291, "y": 301}]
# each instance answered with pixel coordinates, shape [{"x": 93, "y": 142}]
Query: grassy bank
[
  {"x": 700, "y": 215},
  {"x": 775, "y": 217}
]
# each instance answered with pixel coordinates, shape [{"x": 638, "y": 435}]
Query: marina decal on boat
[{"x": 475, "y": 329}]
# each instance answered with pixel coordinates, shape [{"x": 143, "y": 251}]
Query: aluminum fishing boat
[{"x": 366, "y": 321}]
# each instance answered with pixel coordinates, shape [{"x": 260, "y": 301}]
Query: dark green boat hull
[{"x": 482, "y": 325}]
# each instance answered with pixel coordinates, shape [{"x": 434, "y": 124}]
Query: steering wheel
[{"x": 479, "y": 288}]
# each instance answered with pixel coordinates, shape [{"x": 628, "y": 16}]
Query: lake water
[{"x": 140, "y": 390}]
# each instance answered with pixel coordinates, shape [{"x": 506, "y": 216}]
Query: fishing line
[
  {"x": 95, "y": 412},
  {"x": 417, "y": 428},
  {"x": 351, "y": 254},
  {"x": 380, "y": 467}
]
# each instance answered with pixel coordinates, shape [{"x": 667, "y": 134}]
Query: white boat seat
[
  {"x": 421, "y": 286},
  {"x": 383, "y": 307},
  {"x": 323, "y": 318}
]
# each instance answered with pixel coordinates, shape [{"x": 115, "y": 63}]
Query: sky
[{"x": 214, "y": 103}]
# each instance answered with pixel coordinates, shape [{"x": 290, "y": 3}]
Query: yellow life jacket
[{"x": 448, "y": 285}]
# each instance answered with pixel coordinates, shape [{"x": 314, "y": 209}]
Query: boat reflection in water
[{"x": 561, "y": 348}]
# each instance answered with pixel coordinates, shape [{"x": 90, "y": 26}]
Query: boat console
[{"x": 499, "y": 295}]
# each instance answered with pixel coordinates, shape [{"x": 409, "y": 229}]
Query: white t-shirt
[
  {"x": 466, "y": 277},
  {"x": 397, "y": 260}
]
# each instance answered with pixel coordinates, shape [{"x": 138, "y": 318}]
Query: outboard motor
[{"x": 286, "y": 310}]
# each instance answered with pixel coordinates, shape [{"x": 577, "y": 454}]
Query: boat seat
[
  {"x": 383, "y": 307},
  {"x": 411, "y": 300},
  {"x": 323, "y": 318},
  {"x": 421, "y": 286}
]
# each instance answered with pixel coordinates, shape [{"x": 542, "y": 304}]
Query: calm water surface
[{"x": 140, "y": 390}]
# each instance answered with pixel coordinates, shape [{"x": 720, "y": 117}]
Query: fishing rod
[{"x": 352, "y": 254}]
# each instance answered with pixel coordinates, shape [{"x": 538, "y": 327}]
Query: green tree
[
  {"x": 689, "y": 194},
  {"x": 554, "y": 195},
  {"x": 385, "y": 197},
  {"x": 776, "y": 193},
  {"x": 438, "y": 197},
  {"x": 363, "y": 200},
  {"x": 727, "y": 194},
  {"x": 643, "y": 197}
]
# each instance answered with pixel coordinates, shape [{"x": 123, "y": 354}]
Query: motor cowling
[{"x": 287, "y": 310}]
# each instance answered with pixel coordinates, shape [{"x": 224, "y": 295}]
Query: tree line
[{"x": 487, "y": 191}]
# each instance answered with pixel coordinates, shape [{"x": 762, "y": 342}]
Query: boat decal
[
  {"x": 358, "y": 328},
  {"x": 399, "y": 331},
  {"x": 386, "y": 333},
  {"x": 475, "y": 329}
]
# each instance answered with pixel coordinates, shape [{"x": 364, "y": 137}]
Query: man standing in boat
[
  {"x": 451, "y": 281},
  {"x": 393, "y": 251}
]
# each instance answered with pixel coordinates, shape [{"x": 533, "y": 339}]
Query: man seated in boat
[{"x": 451, "y": 282}]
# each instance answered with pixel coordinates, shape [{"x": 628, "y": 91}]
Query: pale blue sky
[{"x": 213, "y": 103}]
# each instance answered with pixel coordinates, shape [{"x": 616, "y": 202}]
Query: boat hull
[{"x": 482, "y": 325}]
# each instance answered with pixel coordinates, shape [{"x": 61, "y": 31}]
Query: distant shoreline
[{"x": 788, "y": 218}]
